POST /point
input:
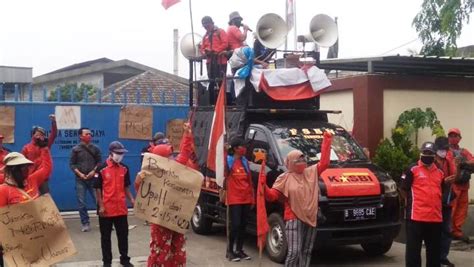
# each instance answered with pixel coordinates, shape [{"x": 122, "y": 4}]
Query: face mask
[
  {"x": 442, "y": 153},
  {"x": 41, "y": 142},
  {"x": 117, "y": 158},
  {"x": 300, "y": 167},
  {"x": 241, "y": 151},
  {"x": 427, "y": 160},
  {"x": 454, "y": 140},
  {"x": 86, "y": 139}
]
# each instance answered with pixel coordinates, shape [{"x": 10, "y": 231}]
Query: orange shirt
[
  {"x": 217, "y": 43},
  {"x": 239, "y": 185},
  {"x": 234, "y": 37}
]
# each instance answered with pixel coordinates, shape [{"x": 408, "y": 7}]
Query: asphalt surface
[{"x": 210, "y": 250}]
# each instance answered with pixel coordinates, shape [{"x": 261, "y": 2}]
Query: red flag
[
  {"x": 168, "y": 3},
  {"x": 216, "y": 153},
  {"x": 262, "y": 223}
]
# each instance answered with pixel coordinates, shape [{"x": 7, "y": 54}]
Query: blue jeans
[
  {"x": 446, "y": 233},
  {"x": 82, "y": 187}
]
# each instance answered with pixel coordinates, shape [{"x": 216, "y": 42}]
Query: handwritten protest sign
[
  {"x": 34, "y": 234},
  {"x": 7, "y": 124},
  {"x": 68, "y": 117},
  {"x": 136, "y": 122},
  {"x": 174, "y": 132},
  {"x": 169, "y": 195}
]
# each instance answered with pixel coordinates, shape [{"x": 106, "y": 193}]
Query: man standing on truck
[
  {"x": 240, "y": 198},
  {"x": 461, "y": 186},
  {"x": 422, "y": 183}
]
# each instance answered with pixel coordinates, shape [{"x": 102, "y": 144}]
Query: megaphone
[
  {"x": 322, "y": 31},
  {"x": 186, "y": 45},
  {"x": 271, "y": 30}
]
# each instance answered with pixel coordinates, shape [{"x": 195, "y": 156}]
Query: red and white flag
[
  {"x": 262, "y": 223},
  {"x": 216, "y": 154},
  {"x": 168, "y": 3},
  {"x": 290, "y": 13}
]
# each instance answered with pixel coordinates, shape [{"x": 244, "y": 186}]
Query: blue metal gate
[{"x": 102, "y": 119}]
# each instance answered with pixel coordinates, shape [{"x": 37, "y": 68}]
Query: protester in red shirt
[
  {"x": 298, "y": 189},
  {"x": 235, "y": 37},
  {"x": 463, "y": 157},
  {"x": 20, "y": 184},
  {"x": 167, "y": 247},
  {"x": 239, "y": 199},
  {"x": 32, "y": 150},
  {"x": 422, "y": 183},
  {"x": 112, "y": 186}
]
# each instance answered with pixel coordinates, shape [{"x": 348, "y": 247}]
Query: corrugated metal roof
[{"x": 419, "y": 65}]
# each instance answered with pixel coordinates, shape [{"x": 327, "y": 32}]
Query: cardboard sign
[
  {"x": 168, "y": 196},
  {"x": 68, "y": 117},
  {"x": 136, "y": 122},
  {"x": 34, "y": 234},
  {"x": 174, "y": 132},
  {"x": 7, "y": 124}
]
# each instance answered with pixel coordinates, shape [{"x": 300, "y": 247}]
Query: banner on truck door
[
  {"x": 168, "y": 195},
  {"x": 350, "y": 182}
]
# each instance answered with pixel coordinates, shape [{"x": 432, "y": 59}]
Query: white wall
[
  {"x": 339, "y": 100},
  {"x": 453, "y": 108}
]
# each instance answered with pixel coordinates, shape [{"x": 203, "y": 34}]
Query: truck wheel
[
  {"x": 277, "y": 245},
  {"x": 378, "y": 248},
  {"x": 200, "y": 224}
]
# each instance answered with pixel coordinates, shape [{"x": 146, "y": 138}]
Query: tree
[
  {"x": 439, "y": 24},
  {"x": 71, "y": 92}
]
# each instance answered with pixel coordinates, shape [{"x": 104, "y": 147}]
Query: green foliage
[
  {"x": 71, "y": 92},
  {"x": 397, "y": 154},
  {"x": 439, "y": 23}
]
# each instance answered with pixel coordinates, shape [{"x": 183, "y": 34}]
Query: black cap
[
  {"x": 428, "y": 146},
  {"x": 237, "y": 141},
  {"x": 117, "y": 147},
  {"x": 441, "y": 143},
  {"x": 206, "y": 20},
  {"x": 158, "y": 136}
]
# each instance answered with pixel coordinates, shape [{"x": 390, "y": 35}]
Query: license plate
[{"x": 360, "y": 214}]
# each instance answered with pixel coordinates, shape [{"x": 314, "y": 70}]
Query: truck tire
[
  {"x": 277, "y": 245},
  {"x": 200, "y": 224},
  {"x": 378, "y": 248}
]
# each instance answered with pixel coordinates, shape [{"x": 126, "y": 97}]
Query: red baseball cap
[
  {"x": 1, "y": 136},
  {"x": 454, "y": 130}
]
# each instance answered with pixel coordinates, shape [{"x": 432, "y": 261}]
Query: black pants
[
  {"x": 238, "y": 222},
  {"x": 417, "y": 232},
  {"x": 120, "y": 224}
]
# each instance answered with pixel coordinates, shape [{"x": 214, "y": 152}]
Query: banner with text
[
  {"x": 7, "y": 124},
  {"x": 34, "y": 234},
  {"x": 169, "y": 195},
  {"x": 136, "y": 122}
]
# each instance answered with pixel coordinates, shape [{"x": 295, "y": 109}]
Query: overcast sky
[{"x": 51, "y": 34}]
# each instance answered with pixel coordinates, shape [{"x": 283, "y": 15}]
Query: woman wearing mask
[
  {"x": 240, "y": 198},
  {"x": 20, "y": 183},
  {"x": 298, "y": 189},
  {"x": 167, "y": 247}
]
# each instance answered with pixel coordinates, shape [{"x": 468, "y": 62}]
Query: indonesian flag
[
  {"x": 262, "y": 223},
  {"x": 290, "y": 13},
  {"x": 168, "y": 3},
  {"x": 216, "y": 155}
]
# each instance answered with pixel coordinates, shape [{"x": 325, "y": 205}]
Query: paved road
[{"x": 210, "y": 250}]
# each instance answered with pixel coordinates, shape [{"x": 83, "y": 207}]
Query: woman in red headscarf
[
  {"x": 298, "y": 189},
  {"x": 167, "y": 247}
]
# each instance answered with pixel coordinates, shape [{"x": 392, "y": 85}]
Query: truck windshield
[{"x": 343, "y": 147}]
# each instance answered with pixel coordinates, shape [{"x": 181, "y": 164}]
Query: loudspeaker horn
[
  {"x": 322, "y": 30},
  {"x": 186, "y": 45},
  {"x": 271, "y": 30}
]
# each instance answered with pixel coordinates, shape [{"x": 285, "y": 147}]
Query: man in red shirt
[
  {"x": 214, "y": 46},
  {"x": 112, "y": 186},
  {"x": 422, "y": 183},
  {"x": 460, "y": 187},
  {"x": 240, "y": 197},
  {"x": 39, "y": 141},
  {"x": 235, "y": 37}
]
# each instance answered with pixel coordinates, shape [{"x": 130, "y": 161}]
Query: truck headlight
[{"x": 390, "y": 187}]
